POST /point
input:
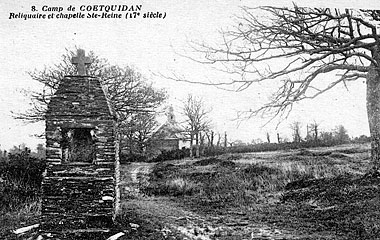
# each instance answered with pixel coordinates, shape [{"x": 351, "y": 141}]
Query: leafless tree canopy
[
  {"x": 196, "y": 119},
  {"x": 126, "y": 88},
  {"x": 137, "y": 132},
  {"x": 296, "y": 131},
  {"x": 296, "y": 47},
  {"x": 314, "y": 128},
  {"x": 196, "y": 114}
]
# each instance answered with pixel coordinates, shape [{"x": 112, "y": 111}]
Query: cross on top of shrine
[{"x": 81, "y": 61}]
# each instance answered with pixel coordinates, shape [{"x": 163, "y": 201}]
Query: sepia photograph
[{"x": 189, "y": 120}]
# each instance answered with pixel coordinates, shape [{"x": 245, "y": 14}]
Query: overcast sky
[{"x": 150, "y": 45}]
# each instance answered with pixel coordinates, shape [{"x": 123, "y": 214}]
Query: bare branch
[{"x": 295, "y": 46}]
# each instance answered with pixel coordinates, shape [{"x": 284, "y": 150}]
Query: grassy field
[
  {"x": 321, "y": 193},
  {"x": 239, "y": 178}
]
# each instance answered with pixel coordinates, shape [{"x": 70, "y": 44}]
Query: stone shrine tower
[{"x": 80, "y": 191}]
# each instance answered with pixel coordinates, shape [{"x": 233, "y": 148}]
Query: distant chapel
[{"x": 170, "y": 135}]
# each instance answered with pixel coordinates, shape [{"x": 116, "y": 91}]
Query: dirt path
[{"x": 178, "y": 219}]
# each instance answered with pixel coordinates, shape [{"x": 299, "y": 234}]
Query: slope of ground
[{"x": 304, "y": 194}]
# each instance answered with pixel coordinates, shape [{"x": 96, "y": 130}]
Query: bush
[
  {"x": 214, "y": 151},
  {"x": 176, "y": 187},
  {"x": 255, "y": 170},
  {"x": 163, "y": 156},
  {"x": 172, "y": 155},
  {"x": 233, "y": 188},
  {"x": 164, "y": 170},
  {"x": 21, "y": 179},
  {"x": 166, "y": 179},
  {"x": 215, "y": 161},
  {"x": 22, "y": 167},
  {"x": 206, "y": 161},
  {"x": 124, "y": 158}
]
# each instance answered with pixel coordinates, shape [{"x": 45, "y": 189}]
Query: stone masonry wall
[{"x": 80, "y": 195}]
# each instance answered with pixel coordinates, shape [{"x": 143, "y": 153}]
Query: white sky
[{"x": 149, "y": 45}]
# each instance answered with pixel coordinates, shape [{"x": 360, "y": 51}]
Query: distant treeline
[{"x": 207, "y": 151}]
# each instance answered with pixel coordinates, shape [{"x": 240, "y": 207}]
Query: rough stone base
[{"x": 78, "y": 197}]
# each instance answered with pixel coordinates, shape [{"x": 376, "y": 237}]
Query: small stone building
[
  {"x": 169, "y": 135},
  {"x": 80, "y": 190}
]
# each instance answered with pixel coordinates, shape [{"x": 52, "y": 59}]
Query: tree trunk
[
  {"x": 191, "y": 144},
  {"x": 373, "y": 111},
  {"x": 316, "y": 133},
  {"x": 225, "y": 139},
  {"x": 202, "y": 146},
  {"x": 197, "y": 145},
  {"x": 212, "y": 138},
  {"x": 208, "y": 139}
]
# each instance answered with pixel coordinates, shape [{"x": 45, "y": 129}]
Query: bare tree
[
  {"x": 297, "y": 47},
  {"x": 197, "y": 120},
  {"x": 128, "y": 91},
  {"x": 268, "y": 137},
  {"x": 219, "y": 139},
  {"x": 137, "y": 132},
  {"x": 314, "y": 127},
  {"x": 296, "y": 131},
  {"x": 210, "y": 138}
]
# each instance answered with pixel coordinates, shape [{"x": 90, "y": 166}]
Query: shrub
[
  {"x": 164, "y": 170},
  {"x": 233, "y": 188},
  {"x": 24, "y": 168},
  {"x": 207, "y": 161},
  {"x": 215, "y": 161},
  {"x": 214, "y": 151},
  {"x": 177, "y": 186},
  {"x": 172, "y": 155},
  {"x": 124, "y": 158},
  {"x": 21, "y": 179},
  {"x": 255, "y": 170},
  {"x": 243, "y": 186},
  {"x": 168, "y": 179}
]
